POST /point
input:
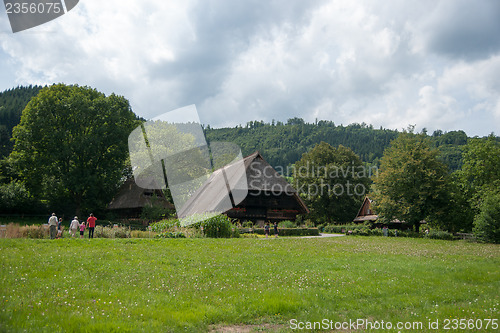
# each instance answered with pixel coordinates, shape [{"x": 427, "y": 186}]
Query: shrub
[
  {"x": 247, "y": 224},
  {"x": 218, "y": 226},
  {"x": 101, "y": 232},
  {"x": 106, "y": 232},
  {"x": 393, "y": 233},
  {"x": 121, "y": 233},
  {"x": 487, "y": 222},
  {"x": 13, "y": 230},
  {"x": 33, "y": 231},
  {"x": 37, "y": 231},
  {"x": 249, "y": 236},
  {"x": 342, "y": 228},
  {"x": 192, "y": 232},
  {"x": 290, "y": 231},
  {"x": 440, "y": 235},
  {"x": 141, "y": 234},
  {"x": 376, "y": 232},
  {"x": 361, "y": 232},
  {"x": 286, "y": 224},
  {"x": 308, "y": 223},
  {"x": 235, "y": 232},
  {"x": 155, "y": 212},
  {"x": 213, "y": 225},
  {"x": 165, "y": 225},
  {"x": 410, "y": 233},
  {"x": 169, "y": 234},
  {"x": 14, "y": 197}
]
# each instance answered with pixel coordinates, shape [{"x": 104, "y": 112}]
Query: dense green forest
[
  {"x": 282, "y": 144},
  {"x": 12, "y": 103}
]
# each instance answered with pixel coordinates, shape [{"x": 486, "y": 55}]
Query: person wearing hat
[{"x": 73, "y": 227}]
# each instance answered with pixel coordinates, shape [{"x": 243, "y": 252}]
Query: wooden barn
[
  {"x": 365, "y": 213},
  {"x": 131, "y": 199},
  {"x": 267, "y": 195}
]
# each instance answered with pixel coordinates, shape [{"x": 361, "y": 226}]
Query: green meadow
[{"x": 245, "y": 285}]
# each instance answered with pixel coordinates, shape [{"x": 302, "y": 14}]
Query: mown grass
[{"x": 163, "y": 285}]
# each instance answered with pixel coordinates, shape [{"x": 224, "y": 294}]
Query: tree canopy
[
  {"x": 480, "y": 173},
  {"x": 71, "y": 145},
  {"x": 333, "y": 182},
  {"x": 411, "y": 180},
  {"x": 12, "y": 103}
]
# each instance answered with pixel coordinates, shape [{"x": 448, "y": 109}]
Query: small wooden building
[
  {"x": 269, "y": 197},
  {"x": 131, "y": 199},
  {"x": 365, "y": 213}
]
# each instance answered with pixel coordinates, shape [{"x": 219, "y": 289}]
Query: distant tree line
[
  {"x": 284, "y": 144},
  {"x": 12, "y": 104}
]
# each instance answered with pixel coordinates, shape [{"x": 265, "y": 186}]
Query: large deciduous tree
[
  {"x": 480, "y": 173},
  {"x": 71, "y": 145},
  {"x": 411, "y": 182},
  {"x": 333, "y": 181},
  {"x": 480, "y": 183},
  {"x": 487, "y": 222}
]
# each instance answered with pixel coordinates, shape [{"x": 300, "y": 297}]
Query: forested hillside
[
  {"x": 283, "y": 144},
  {"x": 12, "y": 103}
]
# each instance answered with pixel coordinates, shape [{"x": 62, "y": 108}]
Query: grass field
[{"x": 230, "y": 285}]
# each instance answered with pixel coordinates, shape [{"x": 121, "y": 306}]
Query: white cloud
[{"x": 391, "y": 64}]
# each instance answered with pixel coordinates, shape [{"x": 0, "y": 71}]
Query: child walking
[
  {"x": 59, "y": 228},
  {"x": 82, "y": 229}
]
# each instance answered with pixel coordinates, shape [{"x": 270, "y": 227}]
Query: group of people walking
[
  {"x": 55, "y": 226},
  {"x": 267, "y": 227}
]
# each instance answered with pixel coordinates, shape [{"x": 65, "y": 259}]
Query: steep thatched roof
[
  {"x": 131, "y": 196},
  {"x": 229, "y": 186}
]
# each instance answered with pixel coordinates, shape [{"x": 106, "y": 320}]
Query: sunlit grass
[{"x": 192, "y": 284}]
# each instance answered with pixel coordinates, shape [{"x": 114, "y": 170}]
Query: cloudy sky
[{"x": 434, "y": 64}]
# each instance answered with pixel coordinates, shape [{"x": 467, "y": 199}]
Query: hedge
[
  {"x": 289, "y": 231},
  {"x": 342, "y": 228}
]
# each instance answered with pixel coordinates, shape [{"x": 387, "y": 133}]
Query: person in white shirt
[
  {"x": 73, "y": 227},
  {"x": 53, "y": 226}
]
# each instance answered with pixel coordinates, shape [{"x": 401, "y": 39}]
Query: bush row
[
  {"x": 165, "y": 225},
  {"x": 363, "y": 230},
  {"x": 116, "y": 232},
  {"x": 206, "y": 225},
  {"x": 289, "y": 231},
  {"x": 341, "y": 228},
  {"x": 169, "y": 234},
  {"x": 14, "y": 230},
  {"x": 216, "y": 227}
]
